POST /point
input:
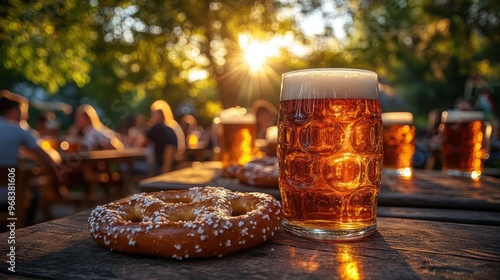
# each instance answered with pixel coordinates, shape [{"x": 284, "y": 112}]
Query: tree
[
  {"x": 126, "y": 53},
  {"x": 428, "y": 49},
  {"x": 41, "y": 42},
  {"x": 152, "y": 49}
]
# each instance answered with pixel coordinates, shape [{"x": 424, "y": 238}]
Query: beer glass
[
  {"x": 330, "y": 152},
  {"x": 399, "y": 143},
  {"x": 465, "y": 137},
  {"x": 236, "y": 130}
]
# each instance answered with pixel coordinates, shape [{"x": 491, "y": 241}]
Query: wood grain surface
[{"x": 399, "y": 249}]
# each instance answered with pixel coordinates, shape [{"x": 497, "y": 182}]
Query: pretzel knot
[{"x": 198, "y": 222}]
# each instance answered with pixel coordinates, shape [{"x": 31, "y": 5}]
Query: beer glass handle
[{"x": 488, "y": 130}]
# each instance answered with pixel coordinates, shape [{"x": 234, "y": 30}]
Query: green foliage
[
  {"x": 41, "y": 41},
  {"x": 428, "y": 49}
]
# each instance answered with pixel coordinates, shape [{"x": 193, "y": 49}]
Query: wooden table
[
  {"x": 426, "y": 240},
  {"x": 91, "y": 178},
  {"x": 429, "y": 195},
  {"x": 110, "y": 156},
  {"x": 399, "y": 249},
  {"x": 104, "y": 165},
  {"x": 434, "y": 189},
  {"x": 429, "y": 189}
]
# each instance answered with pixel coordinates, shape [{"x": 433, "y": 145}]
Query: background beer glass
[
  {"x": 465, "y": 139},
  {"x": 399, "y": 143},
  {"x": 330, "y": 152},
  {"x": 236, "y": 130}
]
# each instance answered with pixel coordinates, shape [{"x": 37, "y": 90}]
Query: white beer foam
[
  {"x": 461, "y": 116},
  {"x": 397, "y": 118},
  {"x": 236, "y": 115},
  {"x": 321, "y": 83}
]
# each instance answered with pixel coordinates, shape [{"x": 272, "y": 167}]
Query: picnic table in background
[{"x": 91, "y": 178}]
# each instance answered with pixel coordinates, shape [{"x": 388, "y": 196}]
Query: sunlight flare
[{"x": 255, "y": 53}]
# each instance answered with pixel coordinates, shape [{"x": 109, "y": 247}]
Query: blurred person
[
  {"x": 133, "y": 130},
  {"x": 487, "y": 105},
  {"x": 47, "y": 124},
  {"x": 432, "y": 143},
  {"x": 389, "y": 99},
  {"x": 486, "y": 102},
  {"x": 94, "y": 135},
  {"x": 47, "y": 127},
  {"x": 195, "y": 137},
  {"x": 464, "y": 104},
  {"x": 13, "y": 113},
  {"x": 161, "y": 135},
  {"x": 188, "y": 124},
  {"x": 169, "y": 120},
  {"x": 266, "y": 115},
  {"x": 14, "y": 136}
]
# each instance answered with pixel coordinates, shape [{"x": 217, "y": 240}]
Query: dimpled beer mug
[
  {"x": 330, "y": 152},
  {"x": 236, "y": 131},
  {"x": 465, "y": 137},
  {"x": 399, "y": 143}
]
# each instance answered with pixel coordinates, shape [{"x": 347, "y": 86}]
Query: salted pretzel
[
  {"x": 260, "y": 173},
  {"x": 197, "y": 222},
  {"x": 231, "y": 171}
]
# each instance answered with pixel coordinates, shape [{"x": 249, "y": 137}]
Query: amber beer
[
  {"x": 237, "y": 131},
  {"x": 462, "y": 150},
  {"x": 330, "y": 152},
  {"x": 399, "y": 143}
]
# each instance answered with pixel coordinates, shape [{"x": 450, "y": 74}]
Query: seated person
[
  {"x": 164, "y": 140},
  {"x": 93, "y": 133},
  {"x": 168, "y": 119},
  {"x": 14, "y": 137},
  {"x": 266, "y": 115},
  {"x": 132, "y": 131}
]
